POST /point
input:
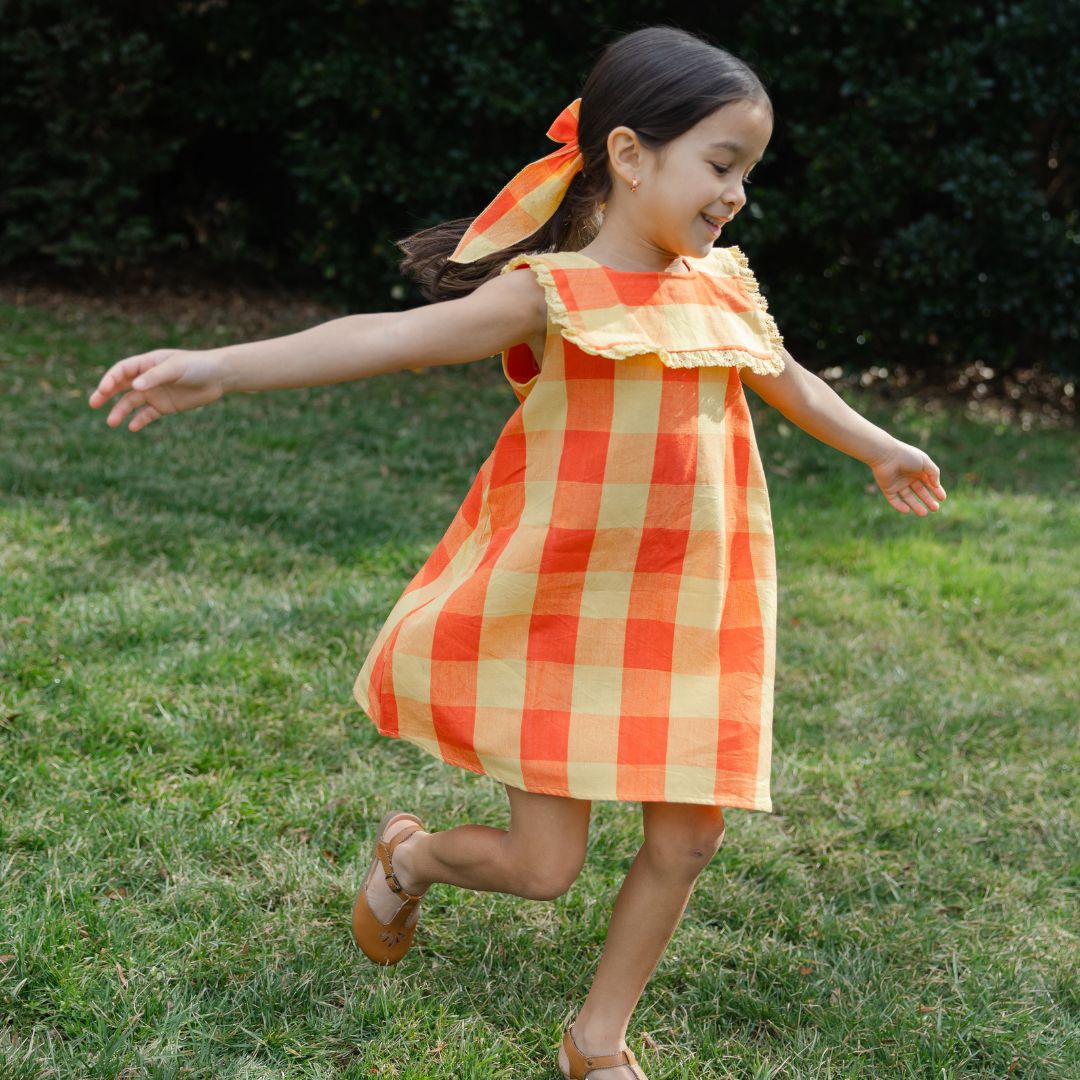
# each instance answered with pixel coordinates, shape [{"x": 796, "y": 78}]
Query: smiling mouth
[{"x": 715, "y": 222}]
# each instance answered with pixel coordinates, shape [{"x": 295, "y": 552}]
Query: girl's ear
[{"x": 624, "y": 152}]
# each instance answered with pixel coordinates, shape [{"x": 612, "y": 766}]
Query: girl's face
[{"x": 701, "y": 173}]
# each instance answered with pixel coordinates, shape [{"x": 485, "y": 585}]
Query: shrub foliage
[{"x": 917, "y": 205}]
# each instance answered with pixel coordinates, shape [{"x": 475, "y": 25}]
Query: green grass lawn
[{"x": 188, "y": 791}]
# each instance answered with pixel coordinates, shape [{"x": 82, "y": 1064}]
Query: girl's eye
[{"x": 721, "y": 169}]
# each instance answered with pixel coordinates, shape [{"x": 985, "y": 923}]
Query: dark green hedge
[{"x": 918, "y": 202}]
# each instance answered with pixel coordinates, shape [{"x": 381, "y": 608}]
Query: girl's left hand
[{"x": 906, "y": 475}]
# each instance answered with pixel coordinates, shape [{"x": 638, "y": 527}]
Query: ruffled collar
[{"x": 712, "y": 316}]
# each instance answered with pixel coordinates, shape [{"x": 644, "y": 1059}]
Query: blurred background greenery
[{"x": 917, "y": 205}]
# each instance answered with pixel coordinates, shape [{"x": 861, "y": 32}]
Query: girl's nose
[{"x": 736, "y": 199}]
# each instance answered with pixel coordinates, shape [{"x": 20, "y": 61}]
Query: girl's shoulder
[{"x": 712, "y": 315}]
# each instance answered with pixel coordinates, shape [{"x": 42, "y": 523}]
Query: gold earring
[{"x": 634, "y": 185}]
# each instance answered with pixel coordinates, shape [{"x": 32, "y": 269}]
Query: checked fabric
[{"x": 599, "y": 619}]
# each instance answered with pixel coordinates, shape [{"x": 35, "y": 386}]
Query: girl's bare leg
[
  {"x": 538, "y": 857},
  {"x": 680, "y": 839}
]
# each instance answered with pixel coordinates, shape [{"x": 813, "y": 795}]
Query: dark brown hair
[{"x": 660, "y": 81}]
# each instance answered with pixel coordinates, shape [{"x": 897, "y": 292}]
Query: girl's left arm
[{"x": 904, "y": 473}]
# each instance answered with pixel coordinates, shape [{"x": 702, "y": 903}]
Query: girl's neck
[{"x": 634, "y": 262}]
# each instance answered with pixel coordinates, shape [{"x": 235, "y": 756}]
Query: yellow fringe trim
[
  {"x": 746, "y": 275},
  {"x": 559, "y": 315}
]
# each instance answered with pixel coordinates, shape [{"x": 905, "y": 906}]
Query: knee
[
  {"x": 685, "y": 844},
  {"x": 551, "y": 878}
]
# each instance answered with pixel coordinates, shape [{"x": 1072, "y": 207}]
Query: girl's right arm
[{"x": 503, "y": 311}]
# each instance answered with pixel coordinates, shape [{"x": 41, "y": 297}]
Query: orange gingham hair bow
[{"x": 530, "y": 198}]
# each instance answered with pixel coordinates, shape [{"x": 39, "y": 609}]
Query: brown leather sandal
[
  {"x": 582, "y": 1064},
  {"x": 386, "y": 943}
]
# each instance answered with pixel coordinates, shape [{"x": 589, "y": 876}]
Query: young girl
[{"x": 598, "y": 621}]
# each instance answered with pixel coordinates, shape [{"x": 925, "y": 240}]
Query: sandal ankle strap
[
  {"x": 385, "y": 854},
  {"x": 584, "y": 1062}
]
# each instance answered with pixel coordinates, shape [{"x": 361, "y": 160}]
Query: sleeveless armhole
[
  {"x": 518, "y": 362},
  {"x": 520, "y": 368},
  {"x": 716, "y": 318}
]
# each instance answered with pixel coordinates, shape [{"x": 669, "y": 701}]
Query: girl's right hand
[{"x": 160, "y": 382}]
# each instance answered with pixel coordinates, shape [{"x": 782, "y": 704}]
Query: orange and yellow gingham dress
[{"x": 599, "y": 619}]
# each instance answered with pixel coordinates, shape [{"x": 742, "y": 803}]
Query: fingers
[
  {"x": 117, "y": 378},
  {"x": 920, "y": 489},
  {"x": 161, "y": 373},
  {"x": 127, "y": 404},
  {"x": 121, "y": 375},
  {"x": 146, "y": 415},
  {"x": 900, "y": 501},
  {"x": 908, "y": 498},
  {"x": 933, "y": 476}
]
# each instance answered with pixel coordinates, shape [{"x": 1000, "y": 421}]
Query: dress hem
[{"x": 732, "y": 801}]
